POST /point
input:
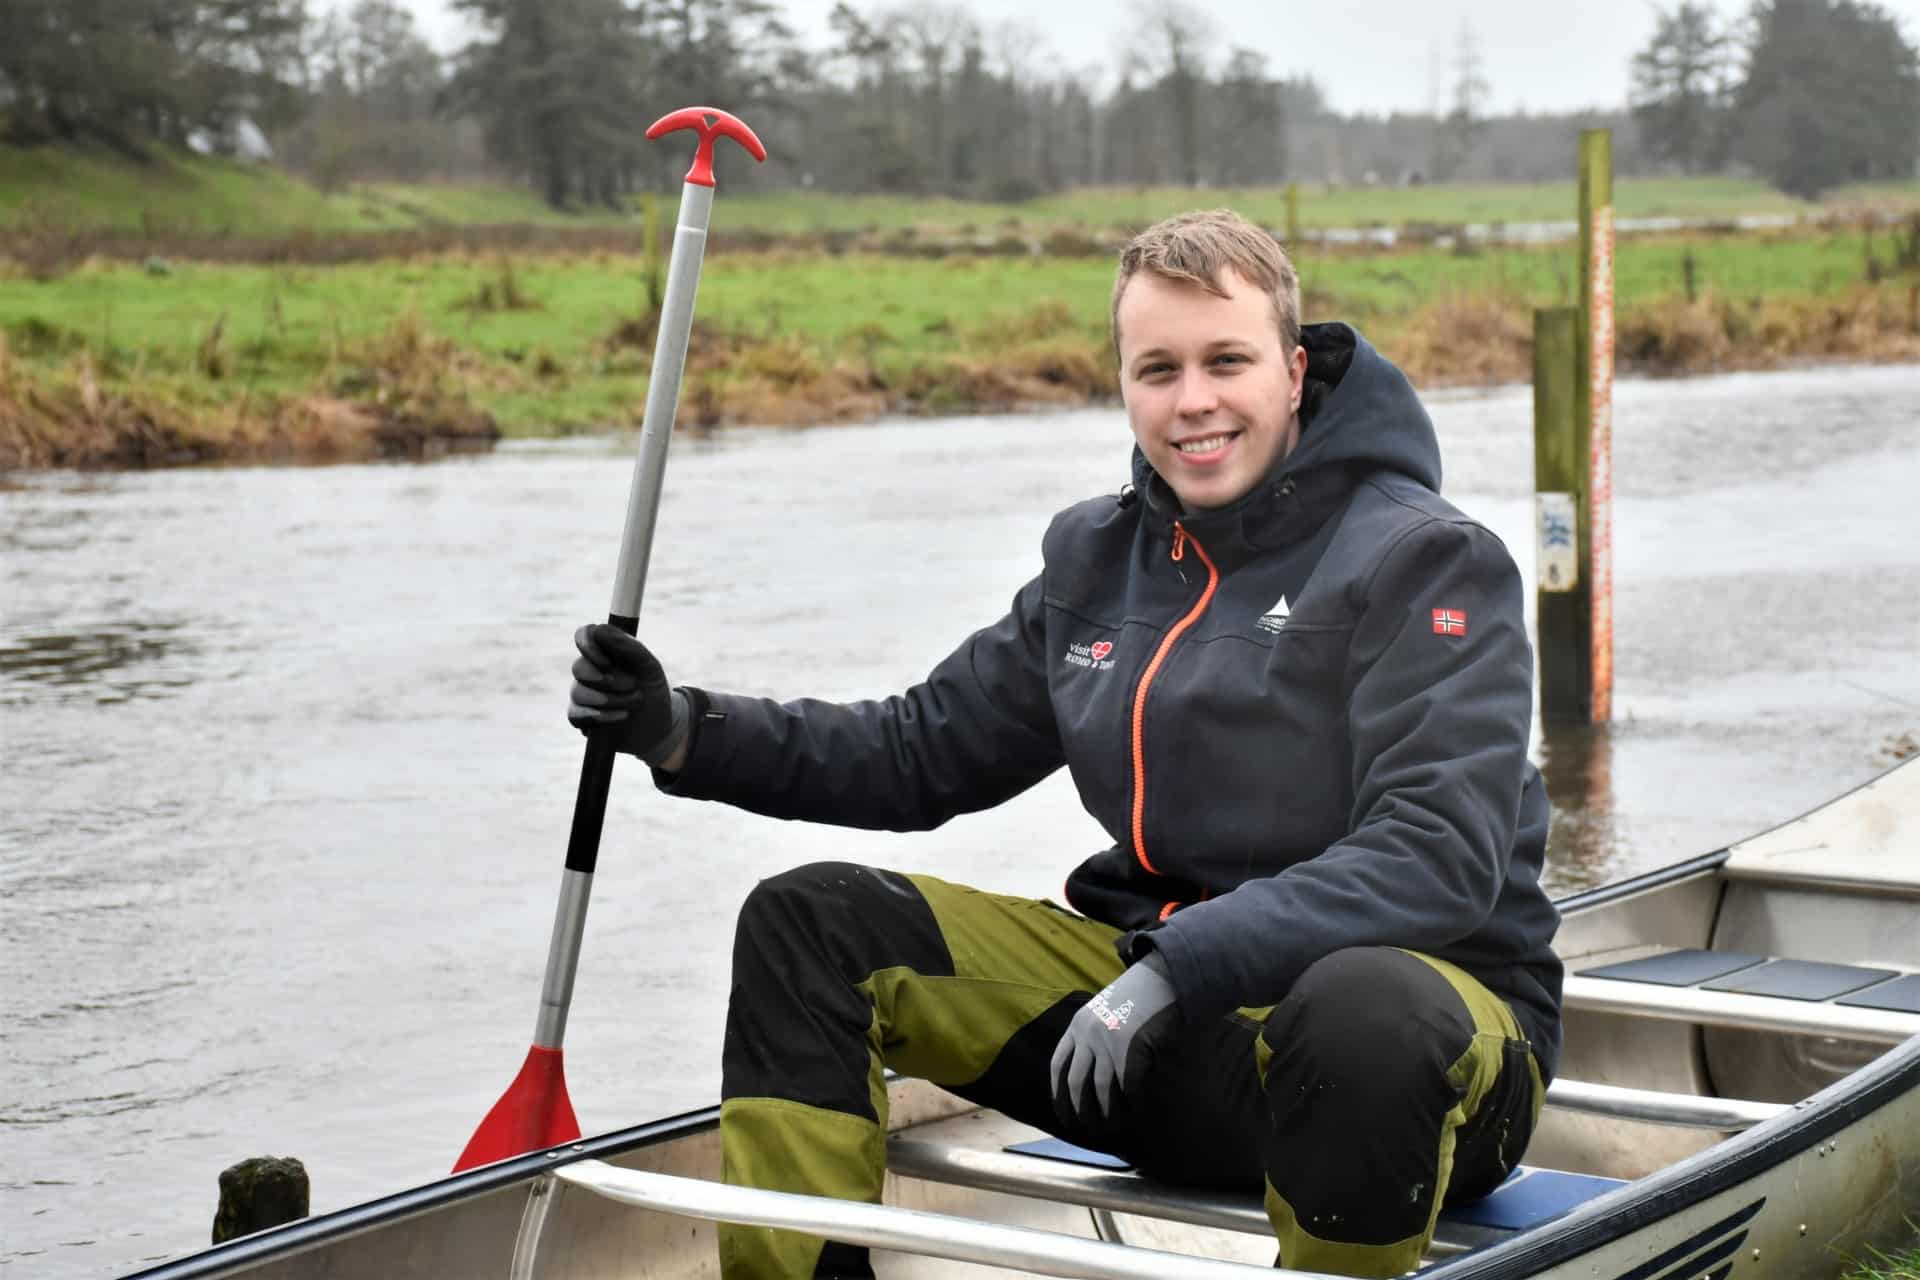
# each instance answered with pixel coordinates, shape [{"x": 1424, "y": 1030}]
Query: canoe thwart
[
  {"x": 880, "y": 1226},
  {"x": 1760, "y": 993}
]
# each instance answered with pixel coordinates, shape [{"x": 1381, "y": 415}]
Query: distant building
[{"x": 242, "y": 140}]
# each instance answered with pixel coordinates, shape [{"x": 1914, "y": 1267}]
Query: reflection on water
[
  {"x": 107, "y": 664},
  {"x": 1588, "y": 836}
]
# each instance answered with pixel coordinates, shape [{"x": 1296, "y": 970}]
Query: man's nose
[{"x": 1197, "y": 395}]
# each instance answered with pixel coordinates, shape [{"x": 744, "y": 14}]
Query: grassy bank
[
  {"x": 1320, "y": 206},
  {"x": 1892, "y": 1266},
  {"x": 185, "y": 194},
  {"x": 563, "y": 342},
  {"x": 195, "y": 309},
  {"x": 80, "y": 189}
]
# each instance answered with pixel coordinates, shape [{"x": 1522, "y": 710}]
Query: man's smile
[{"x": 1202, "y": 447}]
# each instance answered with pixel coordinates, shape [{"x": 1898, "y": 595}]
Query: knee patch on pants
[{"x": 1388, "y": 1074}]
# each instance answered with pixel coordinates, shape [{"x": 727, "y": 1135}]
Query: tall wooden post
[
  {"x": 1593, "y": 403},
  {"x": 1564, "y": 615}
]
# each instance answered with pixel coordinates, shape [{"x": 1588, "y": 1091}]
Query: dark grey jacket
[{"x": 1301, "y": 719}]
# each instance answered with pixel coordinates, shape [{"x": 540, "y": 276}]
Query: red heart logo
[{"x": 1101, "y": 650}]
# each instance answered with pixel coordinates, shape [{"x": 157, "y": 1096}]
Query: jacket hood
[{"x": 1358, "y": 414}]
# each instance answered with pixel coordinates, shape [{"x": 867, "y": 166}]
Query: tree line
[
  {"x": 1810, "y": 93},
  {"x": 916, "y": 96}
]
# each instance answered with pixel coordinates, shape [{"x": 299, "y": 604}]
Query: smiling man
[
  {"x": 1293, "y": 686},
  {"x": 1212, "y": 369}
]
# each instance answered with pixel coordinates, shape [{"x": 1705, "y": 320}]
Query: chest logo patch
[
  {"x": 1098, "y": 655},
  {"x": 1276, "y": 617},
  {"x": 1449, "y": 622}
]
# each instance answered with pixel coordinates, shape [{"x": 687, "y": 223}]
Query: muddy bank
[{"x": 77, "y": 423}]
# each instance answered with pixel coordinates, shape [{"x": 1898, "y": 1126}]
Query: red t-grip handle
[{"x": 712, "y": 123}]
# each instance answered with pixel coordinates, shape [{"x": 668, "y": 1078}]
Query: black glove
[
  {"x": 620, "y": 690},
  {"x": 1108, "y": 1046}
]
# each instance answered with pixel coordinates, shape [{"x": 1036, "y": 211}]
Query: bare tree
[
  {"x": 1174, "y": 42},
  {"x": 1455, "y": 134},
  {"x": 1681, "y": 84},
  {"x": 937, "y": 35}
]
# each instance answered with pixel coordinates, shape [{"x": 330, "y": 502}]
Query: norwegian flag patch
[{"x": 1449, "y": 622}]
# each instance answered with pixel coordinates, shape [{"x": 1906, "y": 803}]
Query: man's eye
[
  {"x": 1229, "y": 357},
  {"x": 1153, "y": 370}
]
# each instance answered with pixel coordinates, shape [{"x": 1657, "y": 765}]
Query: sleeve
[
  {"x": 978, "y": 730},
  {"x": 1440, "y": 700}
]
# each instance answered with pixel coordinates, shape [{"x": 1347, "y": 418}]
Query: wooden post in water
[
  {"x": 1564, "y": 615},
  {"x": 1593, "y": 404},
  {"x": 258, "y": 1193}
]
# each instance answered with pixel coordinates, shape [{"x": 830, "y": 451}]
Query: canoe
[{"x": 1739, "y": 1096}]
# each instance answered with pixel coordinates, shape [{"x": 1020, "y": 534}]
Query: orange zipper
[{"x": 1181, "y": 540}]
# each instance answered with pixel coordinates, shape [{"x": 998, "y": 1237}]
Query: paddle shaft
[{"x": 636, "y": 549}]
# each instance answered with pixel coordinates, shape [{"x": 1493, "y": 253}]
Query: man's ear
[{"x": 1299, "y": 363}]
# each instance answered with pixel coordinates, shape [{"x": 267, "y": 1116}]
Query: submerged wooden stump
[{"x": 258, "y": 1193}]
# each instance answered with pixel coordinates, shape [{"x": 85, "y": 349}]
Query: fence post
[
  {"x": 1564, "y": 616},
  {"x": 1593, "y": 404}
]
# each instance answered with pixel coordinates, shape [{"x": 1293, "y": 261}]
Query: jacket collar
[{"x": 1284, "y": 508}]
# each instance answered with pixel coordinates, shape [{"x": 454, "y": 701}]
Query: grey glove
[
  {"x": 1110, "y": 1043},
  {"x": 620, "y": 689}
]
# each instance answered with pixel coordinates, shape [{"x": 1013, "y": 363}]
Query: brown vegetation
[
  {"x": 1468, "y": 339},
  {"x": 48, "y": 250},
  {"x": 393, "y": 402},
  {"x": 405, "y": 392}
]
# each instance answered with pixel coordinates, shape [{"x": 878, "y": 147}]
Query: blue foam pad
[
  {"x": 1055, "y": 1149},
  {"x": 1528, "y": 1197},
  {"x": 1901, "y": 995},
  {"x": 1676, "y": 968},
  {"x": 1800, "y": 980}
]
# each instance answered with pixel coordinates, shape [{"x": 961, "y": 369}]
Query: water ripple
[{"x": 109, "y": 662}]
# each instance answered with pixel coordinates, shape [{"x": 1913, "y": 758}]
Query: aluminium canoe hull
[{"x": 1829, "y": 1175}]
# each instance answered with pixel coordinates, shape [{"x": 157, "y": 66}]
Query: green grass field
[
  {"x": 1104, "y": 208},
  {"x": 48, "y": 187},
  {"x": 181, "y": 193},
  {"x": 801, "y": 331}
]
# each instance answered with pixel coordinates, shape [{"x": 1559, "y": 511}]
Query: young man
[{"x": 1294, "y": 686}]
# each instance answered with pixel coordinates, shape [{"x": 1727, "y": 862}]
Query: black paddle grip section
[{"x": 596, "y": 778}]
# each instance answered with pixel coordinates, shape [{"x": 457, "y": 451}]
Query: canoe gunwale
[
  {"x": 1608, "y": 1218},
  {"x": 236, "y": 1256},
  {"x": 1659, "y": 878},
  {"x": 1720, "y": 1168}
]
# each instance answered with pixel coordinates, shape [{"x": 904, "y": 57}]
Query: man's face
[{"x": 1210, "y": 395}]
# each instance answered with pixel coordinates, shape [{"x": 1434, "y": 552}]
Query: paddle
[{"x": 535, "y": 1111}]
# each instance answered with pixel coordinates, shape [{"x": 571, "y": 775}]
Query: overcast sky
[{"x": 1375, "y": 56}]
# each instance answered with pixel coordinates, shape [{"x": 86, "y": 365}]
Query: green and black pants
[{"x": 1383, "y": 1085}]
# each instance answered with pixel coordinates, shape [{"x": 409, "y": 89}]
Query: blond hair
[{"x": 1199, "y": 248}]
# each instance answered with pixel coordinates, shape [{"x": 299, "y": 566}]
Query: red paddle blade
[{"x": 532, "y": 1114}]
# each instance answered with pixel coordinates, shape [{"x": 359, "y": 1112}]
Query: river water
[{"x": 285, "y": 778}]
